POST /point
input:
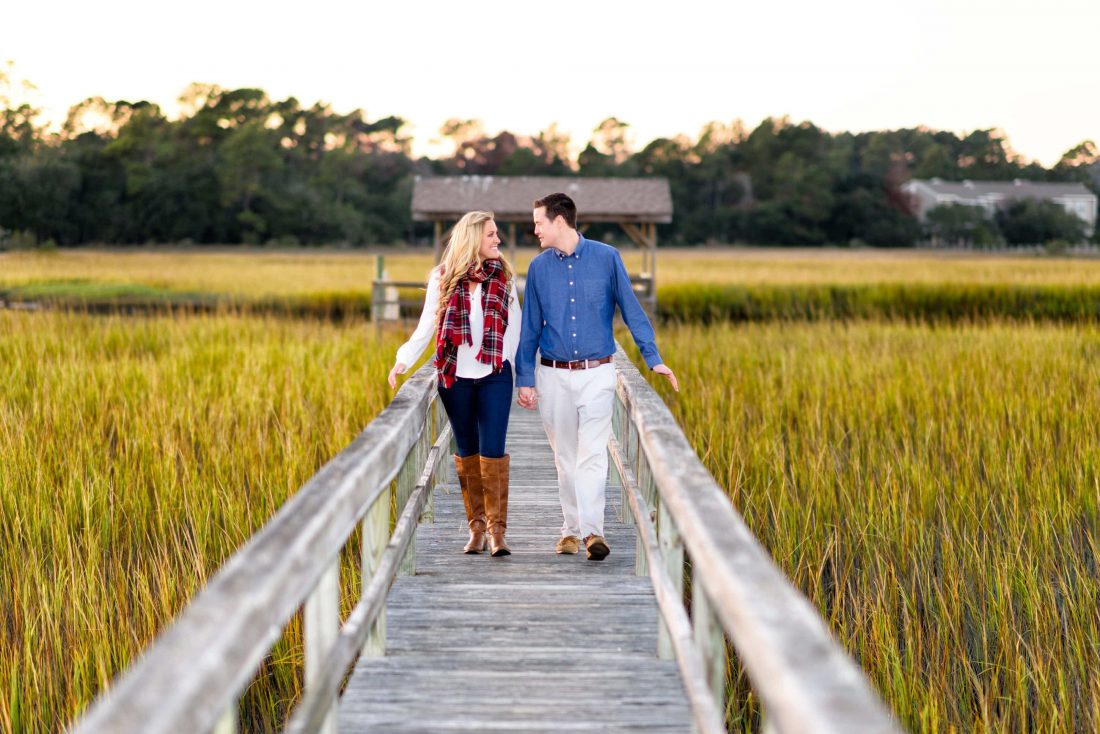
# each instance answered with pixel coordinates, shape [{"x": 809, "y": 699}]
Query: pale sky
[{"x": 1030, "y": 68}]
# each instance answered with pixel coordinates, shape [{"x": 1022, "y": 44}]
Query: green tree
[
  {"x": 1037, "y": 222},
  {"x": 960, "y": 224}
]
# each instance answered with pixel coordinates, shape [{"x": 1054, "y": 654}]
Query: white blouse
[{"x": 468, "y": 366}]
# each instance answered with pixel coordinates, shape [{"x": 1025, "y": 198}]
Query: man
[{"x": 572, "y": 290}]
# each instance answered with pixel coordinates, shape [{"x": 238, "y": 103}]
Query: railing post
[
  {"x": 377, "y": 297},
  {"x": 407, "y": 479},
  {"x": 672, "y": 552},
  {"x": 613, "y": 479},
  {"x": 407, "y": 567},
  {"x": 649, "y": 493},
  {"x": 228, "y": 723},
  {"x": 376, "y": 535},
  {"x": 322, "y": 627},
  {"x": 710, "y": 641},
  {"x": 621, "y": 426},
  {"x": 436, "y": 421}
]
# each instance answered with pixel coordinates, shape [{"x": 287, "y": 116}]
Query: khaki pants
[{"x": 576, "y": 407}]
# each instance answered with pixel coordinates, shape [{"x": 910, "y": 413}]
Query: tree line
[{"x": 236, "y": 166}]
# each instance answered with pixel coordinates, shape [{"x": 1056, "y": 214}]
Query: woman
[{"x": 472, "y": 310}]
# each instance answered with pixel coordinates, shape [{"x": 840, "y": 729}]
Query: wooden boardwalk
[{"x": 532, "y": 642}]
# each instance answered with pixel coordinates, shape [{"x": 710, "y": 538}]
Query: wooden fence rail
[
  {"x": 191, "y": 678},
  {"x": 805, "y": 680}
]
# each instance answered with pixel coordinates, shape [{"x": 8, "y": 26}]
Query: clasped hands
[{"x": 528, "y": 398}]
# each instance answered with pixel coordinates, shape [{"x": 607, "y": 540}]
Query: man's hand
[
  {"x": 398, "y": 369},
  {"x": 663, "y": 370},
  {"x": 528, "y": 398}
]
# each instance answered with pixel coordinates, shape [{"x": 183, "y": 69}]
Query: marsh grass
[
  {"x": 922, "y": 302},
  {"x": 264, "y": 272},
  {"x": 138, "y": 455},
  {"x": 934, "y": 492},
  {"x": 693, "y": 285}
]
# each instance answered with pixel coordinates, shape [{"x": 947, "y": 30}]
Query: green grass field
[
  {"x": 932, "y": 487},
  {"x": 138, "y": 454},
  {"x": 693, "y": 284}
]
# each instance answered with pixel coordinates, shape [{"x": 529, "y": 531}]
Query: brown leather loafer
[
  {"x": 568, "y": 546},
  {"x": 596, "y": 547}
]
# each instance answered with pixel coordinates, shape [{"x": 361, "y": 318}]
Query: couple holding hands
[{"x": 473, "y": 311}]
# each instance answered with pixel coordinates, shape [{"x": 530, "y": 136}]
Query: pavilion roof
[{"x": 510, "y": 197}]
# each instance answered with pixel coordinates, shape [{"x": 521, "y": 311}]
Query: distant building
[
  {"x": 637, "y": 205},
  {"x": 927, "y": 194}
]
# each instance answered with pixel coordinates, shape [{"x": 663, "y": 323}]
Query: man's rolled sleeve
[{"x": 634, "y": 316}]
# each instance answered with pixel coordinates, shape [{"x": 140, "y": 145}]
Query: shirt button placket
[{"x": 573, "y": 307}]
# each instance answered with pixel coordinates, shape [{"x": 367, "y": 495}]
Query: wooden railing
[
  {"x": 191, "y": 678},
  {"x": 386, "y": 303},
  {"x": 805, "y": 680}
]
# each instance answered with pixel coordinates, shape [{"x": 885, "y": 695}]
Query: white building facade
[{"x": 927, "y": 194}]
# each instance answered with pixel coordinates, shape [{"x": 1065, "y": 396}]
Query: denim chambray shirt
[{"x": 569, "y": 304}]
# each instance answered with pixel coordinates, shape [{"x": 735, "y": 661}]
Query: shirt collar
[{"x": 582, "y": 245}]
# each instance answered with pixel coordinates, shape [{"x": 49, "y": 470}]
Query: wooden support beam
[
  {"x": 644, "y": 235},
  {"x": 441, "y": 237},
  {"x": 637, "y": 234},
  {"x": 653, "y": 269}
]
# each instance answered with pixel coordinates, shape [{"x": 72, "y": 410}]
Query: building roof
[
  {"x": 1017, "y": 189},
  {"x": 510, "y": 197}
]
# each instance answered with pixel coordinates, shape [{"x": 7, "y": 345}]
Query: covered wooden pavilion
[{"x": 637, "y": 205}]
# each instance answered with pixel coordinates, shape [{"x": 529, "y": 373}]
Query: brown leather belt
[{"x": 580, "y": 364}]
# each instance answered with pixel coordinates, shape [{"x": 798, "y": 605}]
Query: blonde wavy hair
[{"x": 462, "y": 252}]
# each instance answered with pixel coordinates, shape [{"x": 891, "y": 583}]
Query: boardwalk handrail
[
  {"x": 806, "y": 681},
  {"x": 191, "y": 677}
]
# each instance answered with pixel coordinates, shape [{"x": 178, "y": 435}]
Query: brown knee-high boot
[
  {"x": 494, "y": 478},
  {"x": 468, "y": 469}
]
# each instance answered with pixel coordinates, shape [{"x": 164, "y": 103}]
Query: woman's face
[{"x": 490, "y": 242}]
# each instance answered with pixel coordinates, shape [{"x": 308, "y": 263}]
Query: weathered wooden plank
[{"x": 552, "y": 721}]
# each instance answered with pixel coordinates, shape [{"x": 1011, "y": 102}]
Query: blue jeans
[{"x": 478, "y": 411}]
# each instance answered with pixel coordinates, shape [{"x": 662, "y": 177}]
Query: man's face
[{"x": 547, "y": 231}]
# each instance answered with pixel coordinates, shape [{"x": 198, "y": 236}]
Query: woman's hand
[{"x": 398, "y": 369}]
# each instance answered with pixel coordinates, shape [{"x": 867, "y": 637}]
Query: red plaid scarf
[{"x": 454, "y": 327}]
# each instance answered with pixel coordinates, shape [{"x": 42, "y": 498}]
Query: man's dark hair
[{"x": 558, "y": 205}]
